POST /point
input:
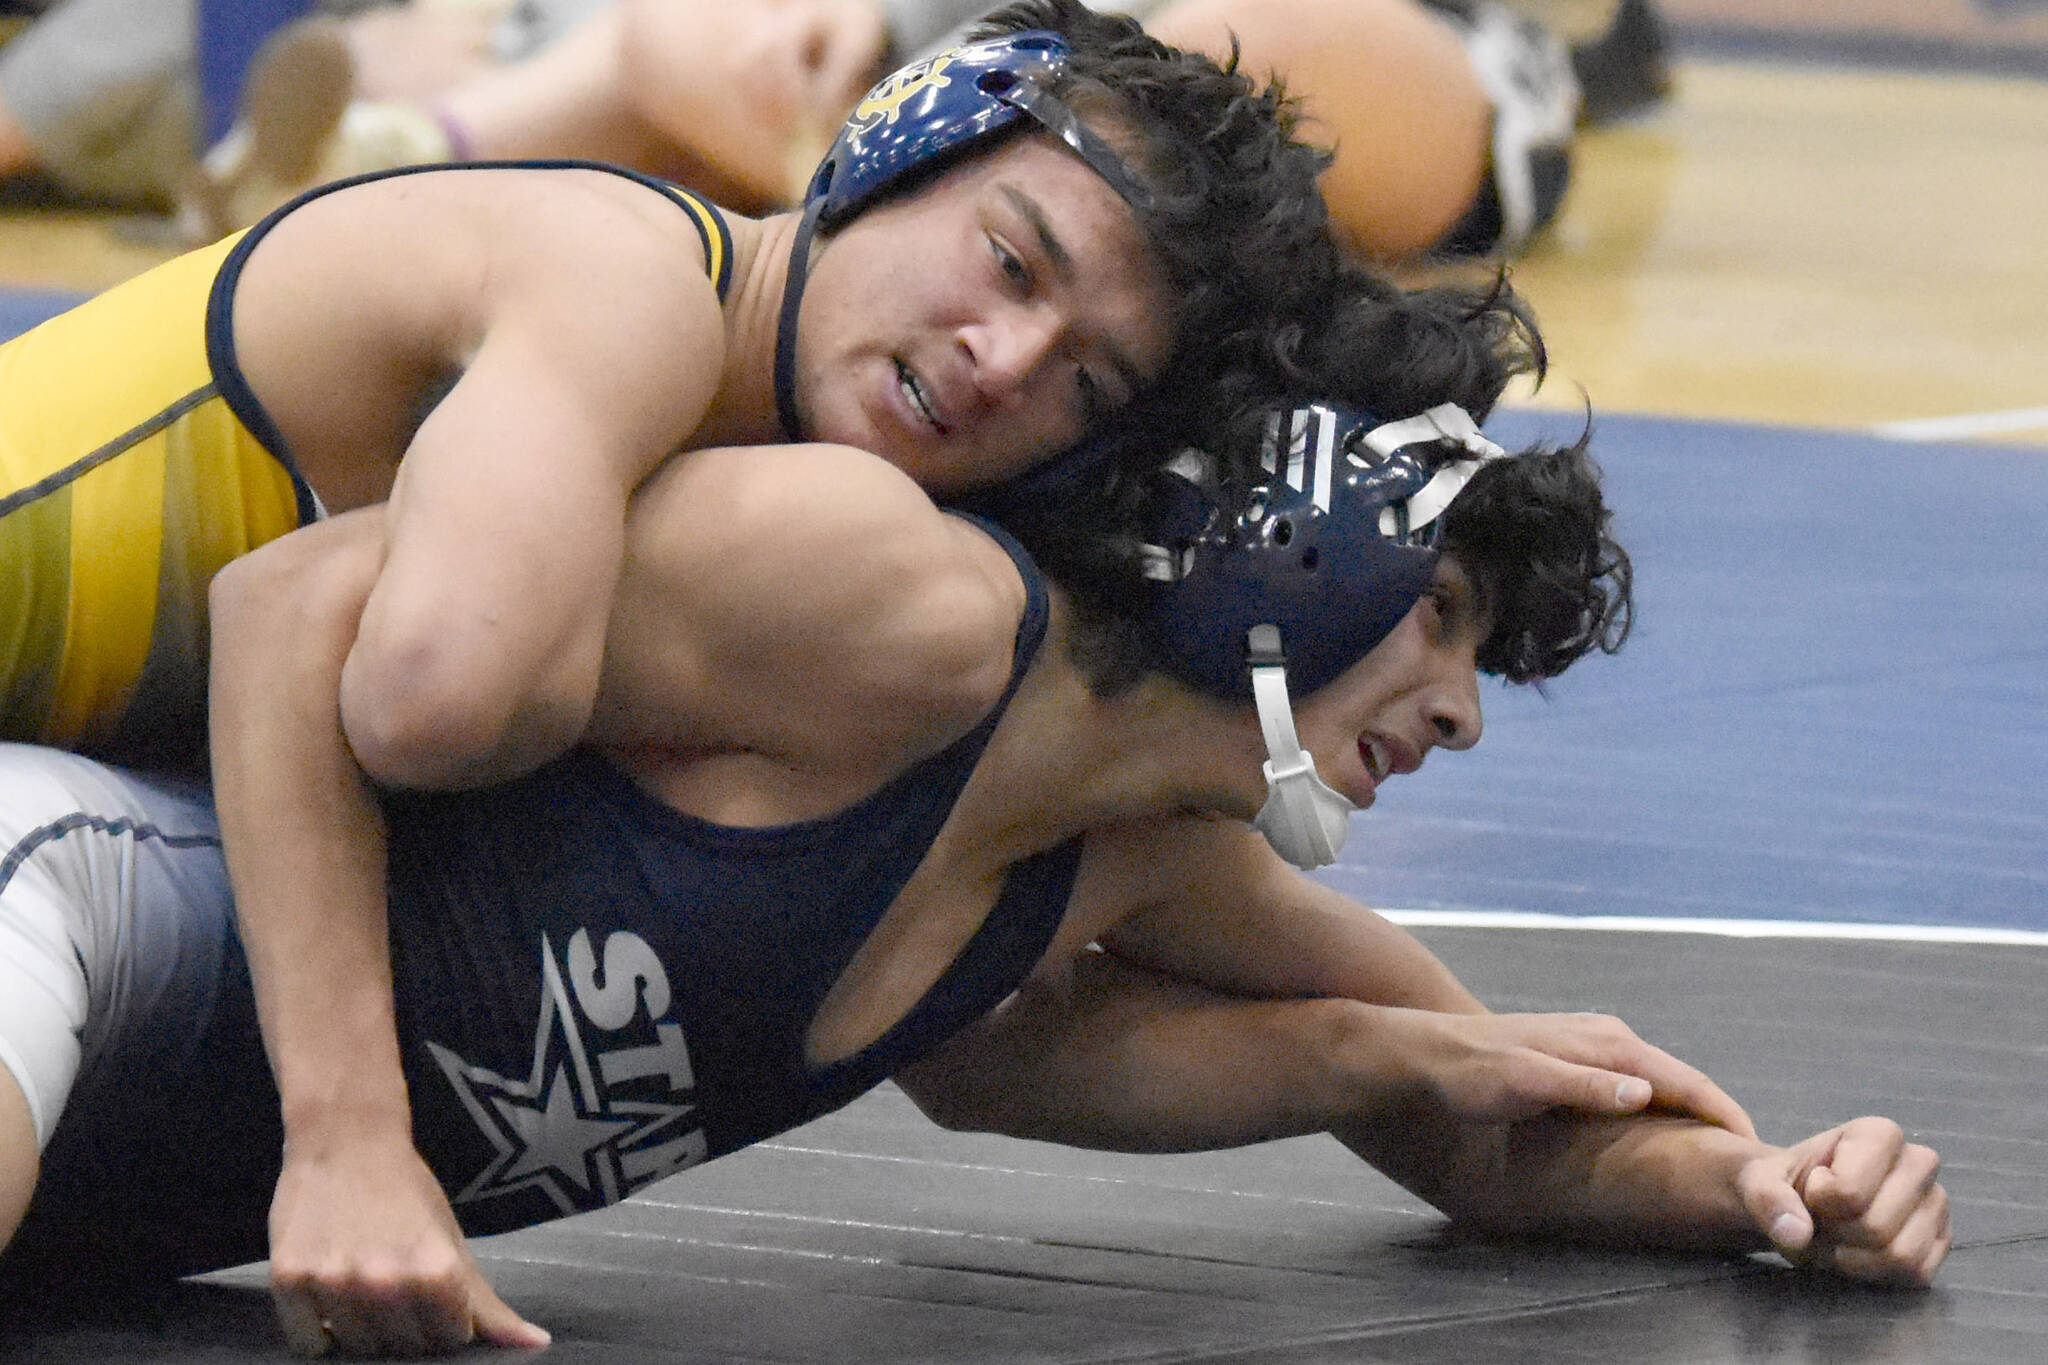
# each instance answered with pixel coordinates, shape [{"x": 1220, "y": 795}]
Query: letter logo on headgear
[{"x": 883, "y": 103}]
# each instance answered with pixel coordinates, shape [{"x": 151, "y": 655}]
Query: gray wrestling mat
[{"x": 872, "y": 1236}]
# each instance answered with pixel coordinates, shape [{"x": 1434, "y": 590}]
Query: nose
[
  {"x": 1007, "y": 349},
  {"x": 1454, "y": 710}
]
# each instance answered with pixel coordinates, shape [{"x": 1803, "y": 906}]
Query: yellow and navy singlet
[{"x": 134, "y": 463}]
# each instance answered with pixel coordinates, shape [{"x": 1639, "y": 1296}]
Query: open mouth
[
  {"x": 913, "y": 393},
  {"x": 1377, "y": 761}
]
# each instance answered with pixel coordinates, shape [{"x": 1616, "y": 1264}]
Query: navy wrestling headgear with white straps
[
  {"x": 917, "y": 121},
  {"x": 1318, "y": 563}
]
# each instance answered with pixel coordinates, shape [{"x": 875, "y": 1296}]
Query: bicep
[
  {"x": 808, "y": 596},
  {"x": 480, "y": 647},
  {"x": 1239, "y": 919}
]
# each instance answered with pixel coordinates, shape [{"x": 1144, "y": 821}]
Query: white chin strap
[{"x": 1305, "y": 819}]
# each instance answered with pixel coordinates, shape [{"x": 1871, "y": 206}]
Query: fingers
[
  {"x": 305, "y": 1331},
  {"x": 372, "y": 1314},
  {"x": 1873, "y": 1206},
  {"x": 1765, "y": 1188},
  {"x": 1691, "y": 1093},
  {"x": 1676, "y": 1088},
  {"x": 1592, "y": 1064},
  {"x": 1865, "y": 1162},
  {"x": 387, "y": 1313},
  {"x": 1545, "y": 1082},
  {"x": 497, "y": 1325},
  {"x": 1880, "y": 1210},
  {"x": 1911, "y": 1258}
]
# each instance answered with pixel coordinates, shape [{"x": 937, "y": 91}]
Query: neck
[{"x": 744, "y": 411}]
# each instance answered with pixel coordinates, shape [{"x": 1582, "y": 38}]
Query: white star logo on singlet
[{"x": 560, "y": 1131}]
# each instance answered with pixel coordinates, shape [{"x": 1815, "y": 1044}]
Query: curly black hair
[
  {"x": 1533, "y": 531},
  {"x": 1236, "y": 213}
]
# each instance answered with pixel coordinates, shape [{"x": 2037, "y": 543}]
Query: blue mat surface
[{"x": 1834, "y": 706}]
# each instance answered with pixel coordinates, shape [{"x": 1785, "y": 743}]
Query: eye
[
  {"x": 1010, "y": 264},
  {"x": 1440, "y": 606},
  {"x": 1094, "y": 402}
]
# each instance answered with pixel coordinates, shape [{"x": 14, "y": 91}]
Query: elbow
[
  {"x": 416, "y": 714},
  {"x": 405, "y": 724},
  {"x": 944, "y": 1110},
  {"x": 297, "y": 597},
  {"x": 964, "y": 1089},
  {"x": 235, "y": 594}
]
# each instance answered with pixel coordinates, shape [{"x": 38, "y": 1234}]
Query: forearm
[
  {"x": 1126, "y": 1060},
  {"x": 1124, "y": 1057},
  {"x": 303, "y": 837},
  {"x": 1646, "y": 1181}
]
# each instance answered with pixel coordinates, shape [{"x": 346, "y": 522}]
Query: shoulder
[
  {"x": 1174, "y": 862},
  {"x": 925, "y": 605},
  {"x": 824, "y": 573},
  {"x": 515, "y": 234},
  {"x": 592, "y": 272}
]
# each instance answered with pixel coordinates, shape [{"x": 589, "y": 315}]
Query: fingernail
[
  {"x": 1788, "y": 1230},
  {"x": 1632, "y": 1093}
]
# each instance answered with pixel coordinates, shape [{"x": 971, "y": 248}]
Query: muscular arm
[
  {"x": 365, "y": 1252},
  {"x": 570, "y": 320},
  {"x": 1126, "y": 1059},
  {"x": 1213, "y": 905},
  {"x": 1216, "y": 905}
]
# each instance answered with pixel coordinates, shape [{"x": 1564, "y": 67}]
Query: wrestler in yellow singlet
[{"x": 134, "y": 464}]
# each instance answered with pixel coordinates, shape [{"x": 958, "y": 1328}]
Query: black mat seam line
[
  {"x": 860, "y": 1295},
  {"x": 1988, "y": 1243},
  {"x": 1235, "y": 1263},
  {"x": 1206, "y": 1292},
  {"x": 1388, "y": 1327},
  {"x": 928, "y": 1266}
]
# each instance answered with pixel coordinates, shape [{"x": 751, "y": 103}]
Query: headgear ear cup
[{"x": 1331, "y": 547}]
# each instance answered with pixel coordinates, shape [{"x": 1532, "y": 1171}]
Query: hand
[
  {"x": 1858, "y": 1200},
  {"x": 1502, "y": 1067},
  {"x": 366, "y": 1258}
]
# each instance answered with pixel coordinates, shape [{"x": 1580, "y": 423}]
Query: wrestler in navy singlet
[{"x": 594, "y": 991}]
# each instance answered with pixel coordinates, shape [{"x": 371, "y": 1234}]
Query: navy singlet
[{"x": 596, "y": 991}]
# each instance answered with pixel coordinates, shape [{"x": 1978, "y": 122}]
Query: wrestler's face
[
  {"x": 1418, "y": 690},
  {"x": 973, "y": 329}
]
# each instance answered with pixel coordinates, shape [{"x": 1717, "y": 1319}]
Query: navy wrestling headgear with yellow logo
[
  {"x": 916, "y": 122},
  {"x": 1300, "y": 576}
]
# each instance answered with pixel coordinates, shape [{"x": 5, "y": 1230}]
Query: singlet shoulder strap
[
  {"x": 709, "y": 221},
  {"x": 1037, "y": 605}
]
